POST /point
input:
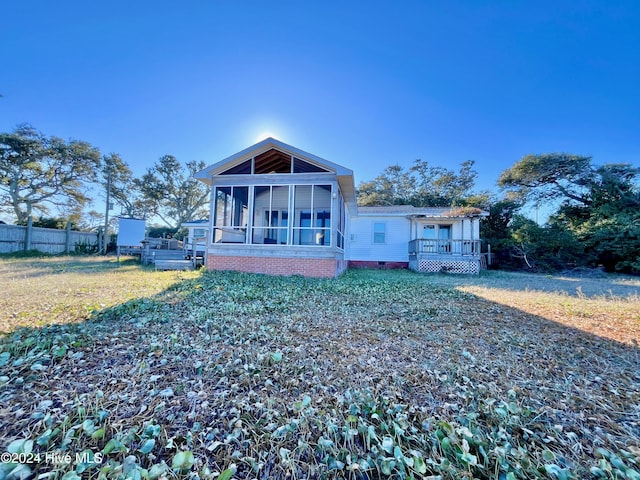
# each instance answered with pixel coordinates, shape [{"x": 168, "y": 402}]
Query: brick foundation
[
  {"x": 308, "y": 267},
  {"x": 379, "y": 265}
]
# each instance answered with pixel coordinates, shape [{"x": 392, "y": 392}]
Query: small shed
[{"x": 131, "y": 234}]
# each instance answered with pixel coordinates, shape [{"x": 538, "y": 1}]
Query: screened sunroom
[
  {"x": 277, "y": 209},
  {"x": 275, "y": 214}
]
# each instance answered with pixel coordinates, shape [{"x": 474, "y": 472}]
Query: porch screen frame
[
  {"x": 312, "y": 221},
  {"x": 267, "y": 226},
  {"x": 230, "y": 218},
  {"x": 309, "y": 222}
]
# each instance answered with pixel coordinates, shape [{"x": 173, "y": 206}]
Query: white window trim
[{"x": 373, "y": 233}]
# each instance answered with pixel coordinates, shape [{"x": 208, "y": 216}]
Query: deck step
[
  {"x": 168, "y": 255},
  {"x": 173, "y": 264}
]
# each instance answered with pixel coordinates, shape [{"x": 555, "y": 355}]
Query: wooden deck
[
  {"x": 446, "y": 256},
  {"x": 179, "y": 258}
]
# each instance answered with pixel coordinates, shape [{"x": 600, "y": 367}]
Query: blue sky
[{"x": 363, "y": 84}]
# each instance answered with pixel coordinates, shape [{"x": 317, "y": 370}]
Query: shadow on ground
[{"x": 228, "y": 347}]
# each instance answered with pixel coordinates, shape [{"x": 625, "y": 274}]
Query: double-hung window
[{"x": 379, "y": 232}]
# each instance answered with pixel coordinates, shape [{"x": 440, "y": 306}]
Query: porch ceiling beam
[{"x": 272, "y": 161}]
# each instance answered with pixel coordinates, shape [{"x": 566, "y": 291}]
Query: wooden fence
[{"x": 15, "y": 238}]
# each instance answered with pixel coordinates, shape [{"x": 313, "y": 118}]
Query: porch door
[
  {"x": 438, "y": 238},
  {"x": 444, "y": 237},
  {"x": 429, "y": 234}
]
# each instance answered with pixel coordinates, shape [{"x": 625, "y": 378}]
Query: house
[
  {"x": 279, "y": 210},
  {"x": 197, "y": 229},
  {"x": 276, "y": 209},
  {"x": 196, "y": 240},
  {"x": 425, "y": 239}
]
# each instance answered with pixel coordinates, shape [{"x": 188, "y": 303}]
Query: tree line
[
  {"x": 594, "y": 209},
  {"x": 44, "y": 175}
]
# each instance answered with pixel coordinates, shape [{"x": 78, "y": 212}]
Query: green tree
[
  {"x": 609, "y": 225},
  {"x": 496, "y": 230},
  {"x": 545, "y": 248},
  {"x": 394, "y": 186},
  {"x": 39, "y": 172},
  {"x": 549, "y": 176},
  {"x": 58, "y": 223},
  {"x": 422, "y": 185},
  {"x": 124, "y": 188},
  {"x": 171, "y": 192},
  {"x": 598, "y": 208},
  {"x": 438, "y": 186}
]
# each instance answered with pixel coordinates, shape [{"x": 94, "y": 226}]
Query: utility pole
[{"x": 106, "y": 213}]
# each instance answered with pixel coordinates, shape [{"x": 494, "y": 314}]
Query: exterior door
[
  {"x": 444, "y": 237},
  {"x": 438, "y": 238},
  {"x": 430, "y": 235}
]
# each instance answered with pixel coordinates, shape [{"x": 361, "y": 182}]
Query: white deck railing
[{"x": 444, "y": 247}]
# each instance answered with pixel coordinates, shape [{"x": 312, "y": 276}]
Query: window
[
  {"x": 312, "y": 221},
  {"x": 271, "y": 215},
  {"x": 242, "y": 169},
  {"x": 231, "y": 213},
  {"x": 278, "y": 215},
  {"x": 379, "y": 232},
  {"x": 300, "y": 166},
  {"x": 274, "y": 161},
  {"x": 436, "y": 231},
  {"x": 341, "y": 223}
]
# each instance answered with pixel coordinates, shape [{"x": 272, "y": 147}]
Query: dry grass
[
  {"x": 605, "y": 305},
  {"x": 41, "y": 291},
  {"x": 372, "y": 375}
]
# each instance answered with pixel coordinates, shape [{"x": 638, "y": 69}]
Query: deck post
[
  {"x": 472, "y": 225},
  {"x": 144, "y": 257},
  {"x": 462, "y": 231}
]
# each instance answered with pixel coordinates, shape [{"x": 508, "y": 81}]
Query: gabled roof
[
  {"x": 263, "y": 146},
  {"x": 429, "y": 212},
  {"x": 345, "y": 175}
]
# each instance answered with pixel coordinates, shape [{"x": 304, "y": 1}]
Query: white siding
[
  {"x": 360, "y": 245},
  {"x": 360, "y": 239},
  {"x": 461, "y": 229},
  {"x": 469, "y": 226}
]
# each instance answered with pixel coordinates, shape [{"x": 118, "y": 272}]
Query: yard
[{"x": 144, "y": 374}]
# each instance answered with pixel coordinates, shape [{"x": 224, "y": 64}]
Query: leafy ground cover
[{"x": 372, "y": 375}]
